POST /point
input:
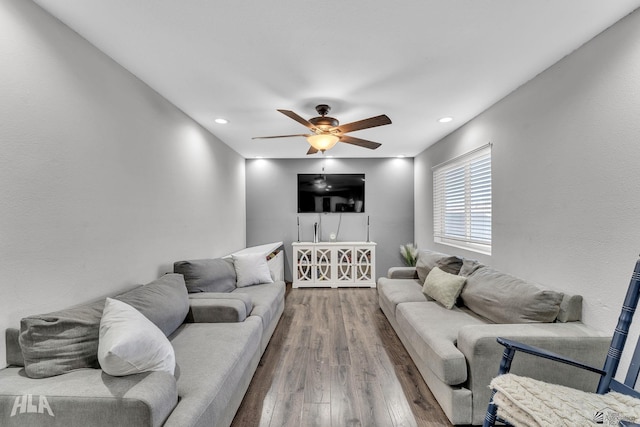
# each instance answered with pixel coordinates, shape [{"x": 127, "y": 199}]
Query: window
[{"x": 462, "y": 201}]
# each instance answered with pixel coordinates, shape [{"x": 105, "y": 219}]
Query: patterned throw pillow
[{"x": 443, "y": 287}]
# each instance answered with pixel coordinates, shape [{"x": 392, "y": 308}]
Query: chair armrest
[
  {"x": 402, "y": 273},
  {"x": 536, "y": 351}
]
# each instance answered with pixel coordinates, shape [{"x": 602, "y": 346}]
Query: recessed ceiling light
[
  {"x": 221, "y": 121},
  {"x": 259, "y": 157},
  {"x": 445, "y": 119},
  {"x": 401, "y": 156}
]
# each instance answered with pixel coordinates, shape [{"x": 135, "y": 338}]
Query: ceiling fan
[{"x": 327, "y": 131}]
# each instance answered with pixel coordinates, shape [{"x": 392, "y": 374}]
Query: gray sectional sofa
[
  {"x": 455, "y": 349},
  {"x": 217, "y": 330}
]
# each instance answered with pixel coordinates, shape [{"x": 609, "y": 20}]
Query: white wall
[
  {"x": 103, "y": 183},
  {"x": 566, "y": 174},
  {"x": 272, "y": 205}
]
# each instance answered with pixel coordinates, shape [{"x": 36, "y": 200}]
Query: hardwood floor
[{"x": 335, "y": 361}]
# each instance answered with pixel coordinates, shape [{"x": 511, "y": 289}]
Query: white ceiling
[{"x": 414, "y": 60}]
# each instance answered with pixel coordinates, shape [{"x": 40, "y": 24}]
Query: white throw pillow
[
  {"x": 130, "y": 343},
  {"x": 443, "y": 287},
  {"x": 251, "y": 269}
]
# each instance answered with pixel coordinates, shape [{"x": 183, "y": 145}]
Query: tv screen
[{"x": 331, "y": 192}]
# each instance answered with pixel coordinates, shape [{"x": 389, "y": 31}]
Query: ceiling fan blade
[
  {"x": 312, "y": 150},
  {"x": 365, "y": 123},
  {"x": 279, "y": 136},
  {"x": 360, "y": 142},
  {"x": 297, "y": 118}
]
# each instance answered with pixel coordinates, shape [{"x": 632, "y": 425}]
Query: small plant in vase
[{"x": 409, "y": 252}]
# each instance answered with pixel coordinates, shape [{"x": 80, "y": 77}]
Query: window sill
[{"x": 473, "y": 247}]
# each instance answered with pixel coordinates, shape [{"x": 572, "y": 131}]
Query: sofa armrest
[
  {"x": 87, "y": 397},
  {"x": 216, "y": 311},
  {"x": 402, "y": 273},
  {"x": 573, "y": 339},
  {"x": 216, "y": 307},
  {"x": 515, "y": 346},
  {"x": 12, "y": 341}
]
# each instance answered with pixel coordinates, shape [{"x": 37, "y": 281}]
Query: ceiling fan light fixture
[{"x": 323, "y": 142}]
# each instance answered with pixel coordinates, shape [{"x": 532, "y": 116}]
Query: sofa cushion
[
  {"x": 503, "y": 298},
  {"x": 266, "y": 299},
  {"x": 426, "y": 261},
  {"x": 214, "y": 366},
  {"x": 432, "y": 331},
  {"x": 130, "y": 344},
  {"x": 251, "y": 269},
  {"x": 207, "y": 275},
  {"x": 443, "y": 287},
  {"x": 164, "y": 301},
  {"x": 392, "y": 292},
  {"x": 66, "y": 340}
]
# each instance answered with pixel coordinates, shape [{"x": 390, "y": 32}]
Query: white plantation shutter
[{"x": 462, "y": 201}]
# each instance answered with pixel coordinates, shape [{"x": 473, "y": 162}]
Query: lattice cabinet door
[
  {"x": 364, "y": 264},
  {"x": 323, "y": 261},
  {"x": 344, "y": 265},
  {"x": 334, "y": 264},
  {"x": 304, "y": 265}
]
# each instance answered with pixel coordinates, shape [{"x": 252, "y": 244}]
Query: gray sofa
[
  {"x": 54, "y": 378},
  {"x": 455, "y": 349}
]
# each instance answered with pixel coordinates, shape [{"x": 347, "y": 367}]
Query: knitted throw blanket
[{"x": 527, "y": 402}]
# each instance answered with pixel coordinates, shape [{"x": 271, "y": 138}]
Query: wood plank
[
  {"x": 287, "y": 411},
  {"x": 316, "y": 415},
  {"x": 373, "y": 413},
  {"x": 317, "y": 387},
  {"x": 334, "y": 360},
  {"x": 345, "y": 408},
  {"x": 339, "y": 343},
  {"x": 399, "y": 407},
  {"x": 256, "y": 408},
  {"x": 425, "y": 407}
]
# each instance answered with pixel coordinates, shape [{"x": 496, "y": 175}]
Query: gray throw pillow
[
  {"x": 450, "y": 264},
  {"x": 66, "y": 340},
  {"x": 207, "y": 275},
  {"x": 164, "y": 301},
  {"x": 503, "y": 298},
  {"x": 426, "y": 261},
  {"x": 468, "y": 267},
  {"x": 62, "y": 341}
]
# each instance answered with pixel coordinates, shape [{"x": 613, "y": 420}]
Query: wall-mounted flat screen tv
[{"x": 331, "y": 192}]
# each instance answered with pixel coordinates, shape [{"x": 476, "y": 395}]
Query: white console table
[{"x": 340, "y": 264}]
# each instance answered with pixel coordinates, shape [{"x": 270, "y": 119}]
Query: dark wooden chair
[{"x": 524, "y": 401}]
